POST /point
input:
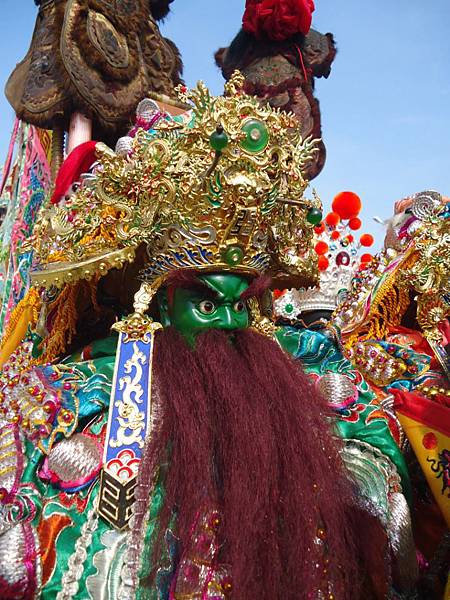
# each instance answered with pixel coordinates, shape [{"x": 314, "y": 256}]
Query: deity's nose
[{"x": 227, "y": 318}]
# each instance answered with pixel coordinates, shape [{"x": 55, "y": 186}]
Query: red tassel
[{"x": 79, "y": 161}]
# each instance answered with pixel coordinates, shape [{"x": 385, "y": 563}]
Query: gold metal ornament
[
  {"x": 259, "y": 322},
  {"x": 137, "y": 325},
  {"x": 429, "y": 276},
  {"x": 218, "y": 188}
]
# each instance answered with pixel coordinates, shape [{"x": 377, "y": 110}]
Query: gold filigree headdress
[
  {"x": 429, "y": 273},
  {"x": 220, "y": 188},
  {"x": 379, "y": 299}
]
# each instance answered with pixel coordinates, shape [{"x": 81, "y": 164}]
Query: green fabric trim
[{"x": 319, "y": 354}]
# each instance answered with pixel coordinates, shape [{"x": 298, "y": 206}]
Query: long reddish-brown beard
[{"x": 249, "y": 433}]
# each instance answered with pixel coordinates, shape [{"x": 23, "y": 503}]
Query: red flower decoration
[
  {"x": 366, "y": 240},
  {"x": 355, "y": 223},
  {"x": 332, "y": 219},
  {"x": 347, "y": 205},
  {"x": 322, "y": 263},
  {"x": 321, "y": 248},
  {"x": 277, "y": 20}
]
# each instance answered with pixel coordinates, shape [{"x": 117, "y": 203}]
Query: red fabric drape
[{"x": 79, "y": 161}]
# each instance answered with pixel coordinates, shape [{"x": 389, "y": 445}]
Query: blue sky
[{"x": 385, "y": 107}]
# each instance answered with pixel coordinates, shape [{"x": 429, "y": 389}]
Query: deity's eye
[
  {"x": 207, "y": 307},
  {"x": 256, "y": 136},
  {"x": 239, "y": 306}
]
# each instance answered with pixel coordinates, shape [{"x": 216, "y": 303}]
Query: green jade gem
[
  {"x": 289, "y": 308},
  {"x": 233, "y": 255},
  {"x": 314, "y": 216},
  {"x": 256, "y": 136},
  {"x": 218, "y": 139}
]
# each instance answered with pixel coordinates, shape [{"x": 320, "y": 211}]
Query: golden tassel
[
  {"x": 92, "y": 286},
  {"x": 64, "y": 324}
]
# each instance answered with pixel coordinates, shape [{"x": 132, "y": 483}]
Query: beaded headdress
[
  {"x": 218, "y": 188},
  {"x": 338, "y": 247}
]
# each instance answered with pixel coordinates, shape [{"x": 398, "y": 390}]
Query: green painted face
[{"x": 218, "y": 307}]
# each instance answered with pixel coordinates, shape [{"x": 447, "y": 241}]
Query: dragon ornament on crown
[{"x": 220, "y": 187}]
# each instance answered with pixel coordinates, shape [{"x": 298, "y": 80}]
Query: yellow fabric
[
  {"x": 26, "y": 313},
  {"x": 415, "y": 432}
]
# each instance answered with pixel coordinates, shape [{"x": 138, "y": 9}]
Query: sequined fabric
[
  {"x": 19, "y": 561},
  {"x": 200, "y": 576},
  {"x": 364, "y": 419},
  {"x": 50, "y": 537},
  {"x": 74, "y": 462}
]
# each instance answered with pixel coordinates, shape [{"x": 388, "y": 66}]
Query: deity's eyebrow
[
  {"x": 257, "y": 287},
  {"x": 188, "y": 279}
]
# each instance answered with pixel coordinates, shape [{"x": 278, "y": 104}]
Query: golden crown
[{"x": 220, "y": 187}]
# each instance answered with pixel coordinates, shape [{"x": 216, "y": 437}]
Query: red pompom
[
  {"x": 79, "y": 161},
  {"x": 321, "y": 248},
  {"x": 278, "y": 293},
  {"x": 335, "y": 235},
  {"x": 365, "y": 258},
  {"x": 323, "y": 263},
  {"x": 350, "y": 238},
  {"x": 354, "y": 223},
  {"x": 347, "y": 205},
  {"x": 277, "y": 20},
  {"x": 319, "y": 228},
  {"x": 332, "y": 219},
  {"x": 366, "y": 240}
]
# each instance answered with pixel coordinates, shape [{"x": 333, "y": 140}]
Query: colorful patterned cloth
[
  {"x": 52, "y": 542},
  {"x": 26, "y": 181}
]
